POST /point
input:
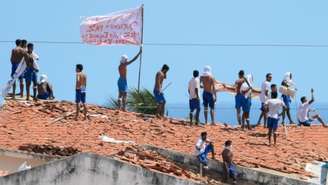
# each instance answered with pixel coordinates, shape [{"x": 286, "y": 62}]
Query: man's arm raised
[{"x": 135, "y": 58}]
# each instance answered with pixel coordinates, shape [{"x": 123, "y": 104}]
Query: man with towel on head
[
  {"x": 289, "y": 85},
  {"x": 209, "y": 94},
  {"x": 122, "y": 81}
]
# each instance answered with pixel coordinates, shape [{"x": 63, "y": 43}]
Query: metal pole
[{"x": 142, "y": 24}]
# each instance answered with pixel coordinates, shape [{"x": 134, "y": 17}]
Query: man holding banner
[{"x": 122, "y": 81}]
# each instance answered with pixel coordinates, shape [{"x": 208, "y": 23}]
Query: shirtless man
[
  {"x": 122, "y": 81},
  {"x": 30, "y": 72},
  {"x": 45, "y": 90},
  {"x": 158, "y": 93},
  {"x": 17, "y": 55},
  {"x": 229, "y": 168},
  {"x": 81, "y": 84},
  {"x": 239, "y": 98},
  {"x": 209, "y": 94}
]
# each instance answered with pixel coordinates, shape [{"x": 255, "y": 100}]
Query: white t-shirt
[
  {"x": 201, "y": 145},
  {"x": 302, "y": 112},
  {"x": 193, "y": 84},
  {"x": 274, "y": 105},
  {"x": 265, "y": 87}
]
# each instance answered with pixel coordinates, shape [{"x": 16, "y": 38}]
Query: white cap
[
  {"x": 43, "y": 78},
  {"x": 207, "y": 71},
  {"x": 124, "y": 59}
]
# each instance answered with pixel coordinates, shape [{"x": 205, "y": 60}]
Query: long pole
[{"x": 142, "y": 25}]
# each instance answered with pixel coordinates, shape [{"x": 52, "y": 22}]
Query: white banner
[{"x": 118, "y": 28}]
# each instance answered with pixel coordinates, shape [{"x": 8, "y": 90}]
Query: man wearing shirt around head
[
  {"x": 273, "y": 107},
  {"x": 265, "y": 88},
  {"x": 304, "y": 110},
  {"x": 194, "y": 102}
]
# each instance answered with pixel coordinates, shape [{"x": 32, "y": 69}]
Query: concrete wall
[
  {"x": 90, "y": 169},
  {"x": 253, "y": 175}
]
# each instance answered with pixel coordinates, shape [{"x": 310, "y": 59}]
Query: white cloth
[
  {"x": 303, "y": 111},
  {"x": 193, "y": 84},
  {"x": 274, "y": 105},
  {"x": 264, "y": 88},
  {"x": 207, "y": 71},
  {"x": 43, "y": 78},
  {"x": 200, "y": 146},
  {"x": 19, "y": 71},
  {"x": 118, "y": 28},
  {"x": 35, "y": 63},
  {"x": 245, "y": 86}
]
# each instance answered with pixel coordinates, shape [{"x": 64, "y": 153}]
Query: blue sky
[{"x": 183, "y": 21}]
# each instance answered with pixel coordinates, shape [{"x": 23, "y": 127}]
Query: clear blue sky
[{"x": 183, "y": 21}]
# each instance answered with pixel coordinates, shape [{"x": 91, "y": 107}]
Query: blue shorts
[
  {"x": 80, "y": 96},
  {"x": 122, "y": 85},
  {"x": 287, "y": 100},
  {"x": 159, "y": 97},
  {"x": 246, "y": 105},
  {"x": 272, "y": 124},
  {"x": 262, "y": 107},
  {"x": 194, "y": 104},
  {"x": 306, "y": 123},
  {"x": 208, "y": 100},
  {"x": 30, "y": 75},
  {"x": 13, "y": 70},
  {"x": 202, "y": 157},
  {"x": 43, "y": 96},
  {"x": 239, "y": 100}
]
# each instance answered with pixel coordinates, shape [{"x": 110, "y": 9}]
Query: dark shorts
[
  {"x": 272, "y": 124},
  {"x": 44, "y": 96},
  {"x": 122, "y": 85},
  {"x": 80, "y": 96},
  {"x": 208, "y": 100},
  {"x": 159, "y": 97},
  {"x": 262, "y": 107},
  {"x": 13, "y": 70},
  {"x": 194, "y": 104},
  {"x": 246, "y": 105},
  {"x": 239, "y": 100},
  {"x": 306, "y": 123},
  {"x": 287, "y": 100},
  {"x": 31, "y": 75}
]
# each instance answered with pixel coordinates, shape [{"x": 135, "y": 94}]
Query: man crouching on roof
[{"x": 203, "y": 147}]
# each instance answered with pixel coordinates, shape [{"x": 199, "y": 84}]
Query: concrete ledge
[
  {"x": 26, "y": 155},
  {"x": 254, "y": 175},
  {"x": 91, "y": 169}
]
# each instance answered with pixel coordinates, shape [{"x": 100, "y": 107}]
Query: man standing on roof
[
  {"x": 209, "y": 94},
  {"x": 246, "y": 91},
  {"x": 194, "y": 102},
  {"x": 265, "y": 88},
  {"x": 289, "y": 84},
  {"x": 17, "y": 55},
  {"x": 122, "y": 81},
  {"x": 158, "y": 91},
  {"x": 239, "y": 98},
  {"x": 273, "y": 106}
]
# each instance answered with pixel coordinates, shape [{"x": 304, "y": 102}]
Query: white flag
[{"x": 118, "y": 28}]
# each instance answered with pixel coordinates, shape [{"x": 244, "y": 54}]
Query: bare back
[
  {"x": 208, "y": 83},
  {"x": 17, "y": 55},
  {"x": 122, "y": 70},
  {"x": 160, "y": 76},
  {"x": 81, "y": 81},
  {"x": 238, "y": 84}
]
